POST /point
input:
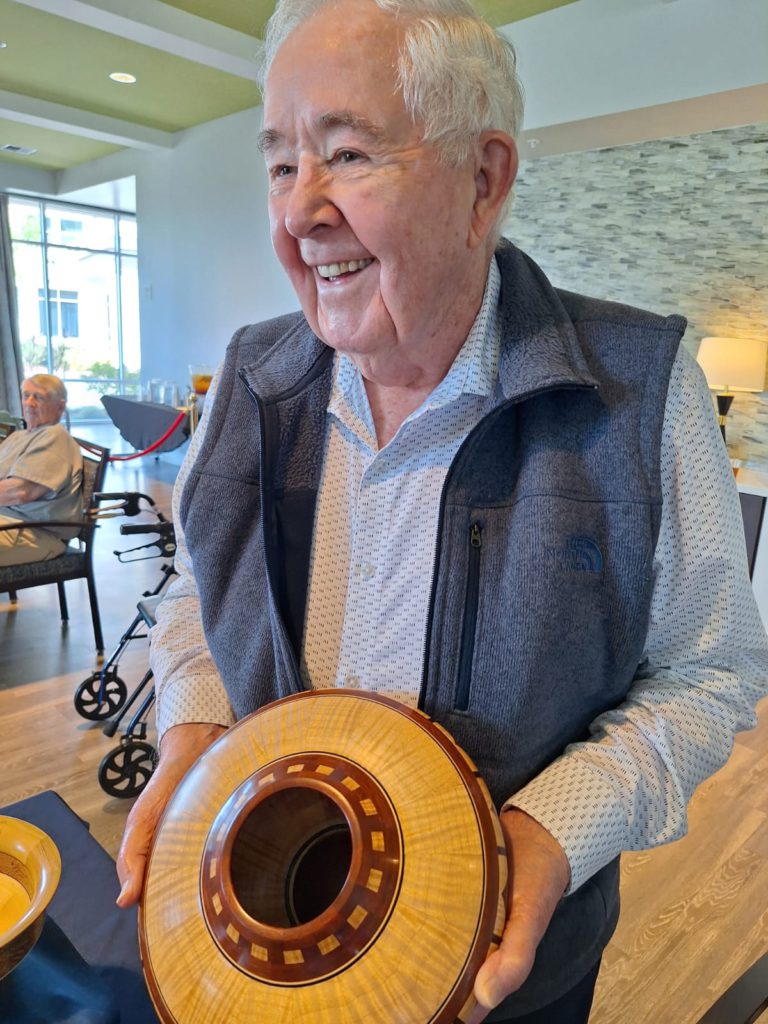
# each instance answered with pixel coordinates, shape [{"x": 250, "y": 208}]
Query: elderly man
[
  {"x": 451, "y": 483},
  {"x": 40, "y": 475}
]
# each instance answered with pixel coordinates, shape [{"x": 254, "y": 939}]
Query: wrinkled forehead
[
  {"x": 34, "y": 389},
  {"x": 339, "y": 41},
  {"x": 333, "y": 76}
]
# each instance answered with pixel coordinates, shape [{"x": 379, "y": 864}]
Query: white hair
[
  {"x": 457, "y": 75},
  {"x": 50, "y": 384}
]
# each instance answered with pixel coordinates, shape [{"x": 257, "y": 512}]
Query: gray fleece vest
[{"x": 543, "y": 574}]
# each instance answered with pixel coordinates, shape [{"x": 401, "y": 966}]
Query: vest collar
[{"x": 540, "y": 349}]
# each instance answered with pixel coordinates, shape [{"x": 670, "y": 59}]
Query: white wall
[
  {"x": 206, "y": 264},
  {"x": 599, "y": 57}
]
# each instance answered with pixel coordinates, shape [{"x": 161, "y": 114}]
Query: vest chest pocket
[{"x": 556, "y": 596}]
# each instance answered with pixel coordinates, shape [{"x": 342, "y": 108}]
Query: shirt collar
[{"x": 474, "y": 371}]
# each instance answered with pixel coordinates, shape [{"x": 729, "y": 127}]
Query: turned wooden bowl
[
  {"x": 335, "y": 858},
  {"x": 30, "y": 868}
]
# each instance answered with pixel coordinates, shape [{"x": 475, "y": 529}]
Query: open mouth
[{"x": 333, "y": 271}]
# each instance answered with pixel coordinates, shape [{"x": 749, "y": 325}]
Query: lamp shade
[{"x": 733, "y": 364}]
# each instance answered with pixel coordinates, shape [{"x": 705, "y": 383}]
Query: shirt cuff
[
  {"x": 188, "y": 699},
  {"x": 579, "y": 807}
]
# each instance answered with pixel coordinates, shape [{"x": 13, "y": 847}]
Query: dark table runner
[
  {"x": 143, "y": 423},
  {"x": 85, "y": 968}
]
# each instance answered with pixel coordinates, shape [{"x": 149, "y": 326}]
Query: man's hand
[
  {"x": 180, "y": 748},
  {"x": 14, "y": 490},
  {"x": 539, "y": 874}
]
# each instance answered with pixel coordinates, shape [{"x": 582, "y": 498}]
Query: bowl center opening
[{"x": 291, "y": 858}]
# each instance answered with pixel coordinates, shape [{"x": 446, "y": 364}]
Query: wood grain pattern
[
  {"x": 399, "y": 942},
  {"x": 30, "y": 866},
  {"x": 705, "y": 934}
]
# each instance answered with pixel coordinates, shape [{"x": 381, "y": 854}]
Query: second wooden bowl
[{"x": 30, "y": 868}]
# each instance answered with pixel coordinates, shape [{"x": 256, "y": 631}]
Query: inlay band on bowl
[{"x": 300, "y": 952}]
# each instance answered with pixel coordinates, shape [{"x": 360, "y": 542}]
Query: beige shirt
[{"x": 50, "y": 457}]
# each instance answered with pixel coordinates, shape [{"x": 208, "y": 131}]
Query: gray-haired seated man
[{"x": 40, "y": 476}]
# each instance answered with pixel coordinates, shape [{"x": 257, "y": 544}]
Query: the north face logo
[{"x": 579, "y": 554}]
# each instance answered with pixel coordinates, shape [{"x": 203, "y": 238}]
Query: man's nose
[{"x": 310, "y": 204}]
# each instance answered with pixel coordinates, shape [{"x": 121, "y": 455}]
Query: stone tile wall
[{"x": 676, "y": 225}]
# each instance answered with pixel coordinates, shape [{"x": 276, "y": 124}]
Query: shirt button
[
  {"x": 367, "y": 571},
  {"x": 352, "y": 680}
]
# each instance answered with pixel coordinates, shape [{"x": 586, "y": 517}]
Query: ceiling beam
[
  {"x": 165, "y": 28},
  {"x": 16, "y": 178},
  {"x": 56, "y": 117}
]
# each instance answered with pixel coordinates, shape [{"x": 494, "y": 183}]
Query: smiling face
[{"x": 374, "y": 231}]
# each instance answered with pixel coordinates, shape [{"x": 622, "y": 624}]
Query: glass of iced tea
[{"x": 202, "y": 376}]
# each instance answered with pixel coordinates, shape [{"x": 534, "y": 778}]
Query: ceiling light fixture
[
  {"x": 123, "y": 77},
  {"x": 10, "y": 147},
  {"x": 2, "y": 45}
]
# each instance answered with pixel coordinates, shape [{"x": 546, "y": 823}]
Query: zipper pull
[{"x": 475, "y": 538}]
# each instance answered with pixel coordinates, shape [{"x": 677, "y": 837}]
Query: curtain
[{"x": 11, "y": 363}]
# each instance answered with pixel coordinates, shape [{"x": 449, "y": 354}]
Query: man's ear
[{"x": 496, "y": 163}]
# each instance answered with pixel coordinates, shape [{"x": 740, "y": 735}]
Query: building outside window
[
  {"x": 78, "y": 299},
  {"x": 62, "y": 313}
]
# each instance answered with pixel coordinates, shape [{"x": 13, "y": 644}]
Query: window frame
[{"x": 45, "y": 246}]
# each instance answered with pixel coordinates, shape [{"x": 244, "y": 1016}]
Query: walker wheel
[
  {"x": 125, "y": 771},
  {"x": 95, "y": 703}
]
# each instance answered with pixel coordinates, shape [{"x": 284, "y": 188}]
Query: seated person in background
[{"x": 40, "y": 475}]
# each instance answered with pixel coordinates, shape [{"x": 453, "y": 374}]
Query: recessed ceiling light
[
  {"x": 2, "y": 45},
  {"x": 123, "y": 76}
]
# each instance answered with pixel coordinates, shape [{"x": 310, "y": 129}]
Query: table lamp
[{"x": 732, "y": 364}]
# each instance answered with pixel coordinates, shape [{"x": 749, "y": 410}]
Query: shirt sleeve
[
  {"x": 188, "y": 687},
  {"x": 704, "y": 668},
  {"x": 45, "y": 460}
]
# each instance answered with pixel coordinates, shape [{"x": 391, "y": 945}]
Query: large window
[{"x": 78, "y": 298}]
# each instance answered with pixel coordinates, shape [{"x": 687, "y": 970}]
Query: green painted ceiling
[
  {"x": 54, "y": 59},
  {"x": 251, "y": 16},
  {"x": 502, "y": 12},
  {"x": 55, "y": 150}
]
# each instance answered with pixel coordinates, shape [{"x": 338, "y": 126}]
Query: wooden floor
[{"x": 695, "y": 913}]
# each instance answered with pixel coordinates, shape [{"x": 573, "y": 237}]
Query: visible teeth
[{"x": 336, "y": 269}]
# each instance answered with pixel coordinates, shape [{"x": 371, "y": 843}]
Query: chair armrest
[{"x": 44, "y": 524}]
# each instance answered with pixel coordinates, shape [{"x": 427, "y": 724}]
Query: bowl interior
[{"x": 30, "y": 869}]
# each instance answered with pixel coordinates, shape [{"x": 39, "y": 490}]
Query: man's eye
[
  {"x": 347, "y": 156},
  {"x": 282, "y": 171}
]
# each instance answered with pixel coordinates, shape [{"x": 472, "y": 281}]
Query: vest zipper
[
  {"x": 423, "y": 703},
  {"x": 266, "y": 506},
  {"x": 469, "y": 624}
]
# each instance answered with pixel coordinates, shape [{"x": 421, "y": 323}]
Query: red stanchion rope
[{"x": 137, "y": 455}]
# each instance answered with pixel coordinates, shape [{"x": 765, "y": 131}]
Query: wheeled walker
[
  {"x": 127, "y": 768},
  {"x": 103, "y": 693}
]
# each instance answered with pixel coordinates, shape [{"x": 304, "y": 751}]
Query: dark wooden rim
[{"x": 303, "y": 954}]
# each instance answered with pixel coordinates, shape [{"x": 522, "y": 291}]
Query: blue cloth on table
[
  {"x": 54, "y": 984},
  {"x": 83, "y": 908}
]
